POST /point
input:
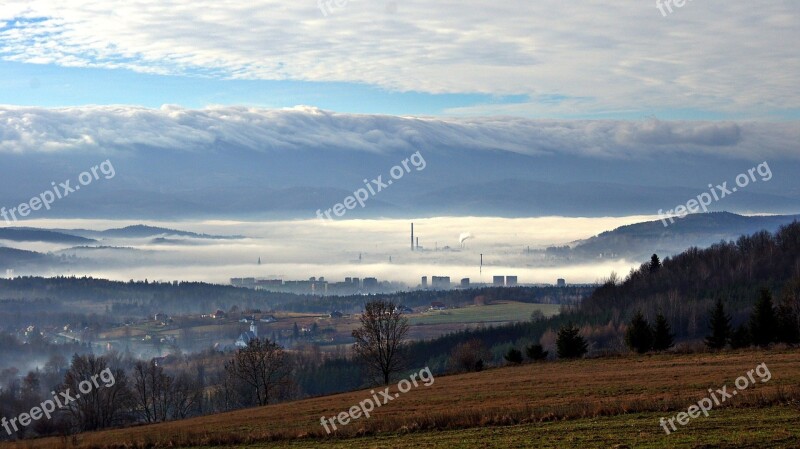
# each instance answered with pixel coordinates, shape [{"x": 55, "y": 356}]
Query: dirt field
[{"x": 584, "y": 403}]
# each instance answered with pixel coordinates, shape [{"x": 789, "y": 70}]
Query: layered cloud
[
  {"x": 565, "y": 57},
  {"x": 120, "y": 128}
]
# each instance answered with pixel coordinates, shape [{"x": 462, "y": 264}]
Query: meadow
[{"x": 608, "y": 402}]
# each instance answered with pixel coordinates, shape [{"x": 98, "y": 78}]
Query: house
[
  {"x": 246, "y": 337},
  {"x": 218, "y": 314},
  {"x": 436, "y": 305},
  {"x": 403, "y": 309},
  {"x": 268, "y": 319},
  {"x": 335, "y": 314}
]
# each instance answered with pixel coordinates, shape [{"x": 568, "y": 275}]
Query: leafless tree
[
  {"x": 263, "y": 367},
  {"x": 151, "y": 390},
  {"x": 185, "y": 396},
  {"x": 380, "y": 339},
  {"x": 106, "y": 403}
]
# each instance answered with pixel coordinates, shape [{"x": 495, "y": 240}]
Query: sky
[{"x": 707, "y": 60}]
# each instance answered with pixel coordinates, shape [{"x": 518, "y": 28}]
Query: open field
[
  {"x": 495, "y": 313},
  {"x": 583, "y": 403},
  {"x": 424, "y": 325}
]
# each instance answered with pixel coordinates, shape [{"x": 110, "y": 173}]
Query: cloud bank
[
  {"x": 565, "y": 57},
  {"x": 108, "y": 129}
]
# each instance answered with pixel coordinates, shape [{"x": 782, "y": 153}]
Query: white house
[{"x": 247, "y": 337}]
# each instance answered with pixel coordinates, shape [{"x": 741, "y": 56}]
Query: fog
[{"x": 303, "y": 248}]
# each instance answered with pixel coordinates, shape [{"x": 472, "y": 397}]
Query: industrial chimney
[{"x": 412, "y": 236}]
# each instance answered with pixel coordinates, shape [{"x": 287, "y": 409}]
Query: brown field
[{"x": 629, "y": 392}]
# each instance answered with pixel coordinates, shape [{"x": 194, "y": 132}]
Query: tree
[
  {"x": 570, "y": 344},
  {"x": 106, "y": 403},
  {"x": 151, "y": 391},
  {"x": 655, "y": 264},
  {"x": 639, "y": 335},
  {"x": 381, "y": 338},
  {"x": 469, "y": 356},
  {"x": 720, "y": 326},
  {"x": 740, "y": 337},
  {"x": 536, "y": 352},
  {"x": 788, "y": 330},
  {"x": 513, "y": 356},
  {"x": 762, "y": 321},
  {"x": 263, "y": 367},
  {"x": 663, "y": 338}
]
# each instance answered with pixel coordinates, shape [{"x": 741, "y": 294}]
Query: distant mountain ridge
[
  {"x": 638, "y": 241},
  {"x": 143, "y": 231},
  {"x": 41, "y": 235}
]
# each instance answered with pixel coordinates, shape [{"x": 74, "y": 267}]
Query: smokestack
[
  {"x": 417, "y": 242},
  {"x": 412, "y": 236}
]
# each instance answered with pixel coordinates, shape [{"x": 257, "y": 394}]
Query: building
[
  {"x": 246, "y": 337},
  {"x": 561, "y": 283},
  {"x": 440, "y": 282},
  {"x": 424, "y": 281},
  {"x": 436, "y": 305},
  {"x": 465, "y": 283},
  {"x": 511, "y": 281},
  {"x": 498, "y": 281},
  {"x": 370, "y": 284}
]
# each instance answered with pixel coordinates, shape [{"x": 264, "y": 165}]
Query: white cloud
[
  {"x": 733, "y": 57},
  {"x": 124, "y": 128}
]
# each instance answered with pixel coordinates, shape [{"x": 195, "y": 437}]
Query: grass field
[
  {"x": 494, "y": 313},
  {"x": 573, "y": 404}
]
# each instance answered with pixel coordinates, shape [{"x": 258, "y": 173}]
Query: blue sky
[{"x": 711, "y": 60}]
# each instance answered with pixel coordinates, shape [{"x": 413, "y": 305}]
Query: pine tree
[
  {"x": 762, "y": 321},
  {"x": 655, "y": 263},
  {"x": 536, "y": 352},
  {"x": 720, "y": 325},
  {"x": 788, "y": 330},
  {"x": 740, "y": 337},
  {"x": 570, "y": 344},
  {"x": 663, "y": 338},
  {"x": 513, "y": 356},
  {"x": 639, "y": 336}
]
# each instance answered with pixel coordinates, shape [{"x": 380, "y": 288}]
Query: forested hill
[
  {"x": 685, "y": 285},
  {"x": 684, "y": 289}
]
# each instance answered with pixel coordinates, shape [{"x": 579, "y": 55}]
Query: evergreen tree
[
  {"x": 513, "y": 356},
  {"x": 663, "y": 338},
  {"x": 763, "y": 324},
  {"x": 740, "y": 337},
  {"x": 720, "y": 325},
  {"x": 639, "y": 336},
  {"x": 655, "y": 263},
  {"x": 570, "y": 344},
  {"x": 536, "y": 352},
  {"x": 788, "y": 330}
]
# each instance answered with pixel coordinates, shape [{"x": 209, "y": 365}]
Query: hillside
[
  {"x": 142, "y": 231},
  {"x": 638, "y": 241},
  {"x": 577, "y": 404},
  {"x": 41, "y": 235}
]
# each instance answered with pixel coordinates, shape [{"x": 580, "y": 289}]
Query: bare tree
[
  {"x": 108, "y": 398},
  {"x": 151, "y": 391},
  {"x": 186, "y": 396},
  {"x": 380, "y": 339},
  {"x": 263, "y": 367}
]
